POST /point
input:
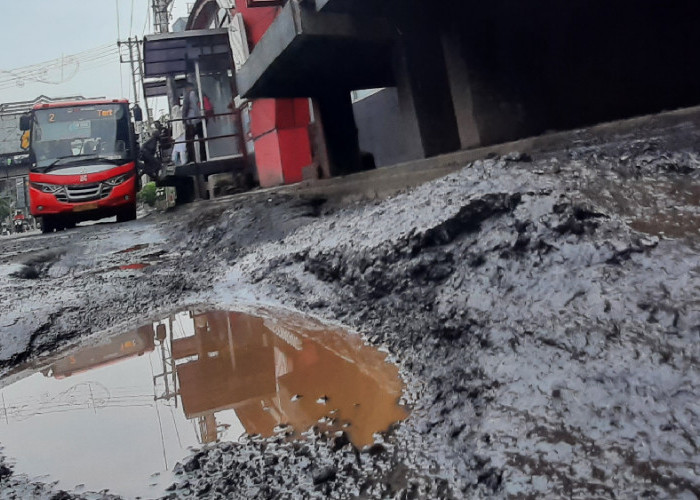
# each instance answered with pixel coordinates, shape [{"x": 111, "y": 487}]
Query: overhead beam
[{"x": 305, "y": 52}]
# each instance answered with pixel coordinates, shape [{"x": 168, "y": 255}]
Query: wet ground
[{"x": 543, "y": 310}]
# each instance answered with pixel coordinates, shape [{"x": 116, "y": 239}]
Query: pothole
[
  {"x": 138, "y": 266},
  {"x": 118, "y": 415},
  {"x": 37, "y": 266}
]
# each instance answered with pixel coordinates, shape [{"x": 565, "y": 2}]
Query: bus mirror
[
  {"x": 25, "y": 122},
  {"x": 138, "y": 114},
  {"x": 24, "y": 143}
]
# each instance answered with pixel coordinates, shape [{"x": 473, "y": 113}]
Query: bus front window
[{"x": 62, "y": 134}]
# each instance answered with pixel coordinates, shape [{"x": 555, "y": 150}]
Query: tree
[
  {"x": 5, "y": 209},
  {"x": 148, "y": 194}
]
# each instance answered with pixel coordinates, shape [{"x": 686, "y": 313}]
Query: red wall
[
  {"x": 257, "y": 20},
  {"x": 280, "y": 127},
  {"x": 281, "y": 156},
  {"x": 279, "y": 113}
]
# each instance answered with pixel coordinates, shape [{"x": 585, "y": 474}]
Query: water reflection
[
  {"x": 258, "y": 370},
  {"x": 133, "y": 405}
]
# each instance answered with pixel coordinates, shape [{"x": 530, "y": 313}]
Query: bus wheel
[
  {"x": 48, "y": 224},
  {"x": 127, "y": 214}
]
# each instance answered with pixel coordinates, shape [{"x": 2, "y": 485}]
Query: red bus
[{"x": 83, "y": 158}]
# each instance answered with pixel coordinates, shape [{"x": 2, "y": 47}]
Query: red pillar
[{"x": 280, "y": 127}]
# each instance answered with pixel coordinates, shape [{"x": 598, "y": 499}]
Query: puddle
[
  {"x": 120, "y": 414},
  {"x": 656, "y": 206},
  {"x": 137, "y": 266},
  {"x": 675, "y": 216},
  {"x": 671, "y": 226}
]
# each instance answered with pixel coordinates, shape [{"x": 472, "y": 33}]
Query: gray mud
[{"x": 544, "y": 311}]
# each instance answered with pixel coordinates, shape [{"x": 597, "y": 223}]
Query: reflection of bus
[
  {"x": 119, "y": 347},
  {"x": 83, "y": 162}
]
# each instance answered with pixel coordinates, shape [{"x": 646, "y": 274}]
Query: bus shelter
[{"x": 202, "y": 58}]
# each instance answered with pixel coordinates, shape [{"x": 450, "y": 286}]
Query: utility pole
[
  {"x": 133, "y": 70},
  {"x": 136, "y": 71},
  {"x": 142, "y": 65}
]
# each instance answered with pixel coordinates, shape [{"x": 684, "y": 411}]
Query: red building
[{"x": 279, "y": 128}]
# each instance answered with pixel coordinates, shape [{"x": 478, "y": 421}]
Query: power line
[
  {"x": 147, "y": 20},
  {"x": 56, "y": 71},
  {"x": 131, "y": 18},
  {"x": 64, "y": 68},
  {"x": 119, "y": 35},
  {"x": 78, "y": 55}
]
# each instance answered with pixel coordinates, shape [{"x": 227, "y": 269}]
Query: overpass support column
[
  {"x": 461, "y": 89},
  {"x": 423, "y": 82},
  {"x": 340, "y": 132}
]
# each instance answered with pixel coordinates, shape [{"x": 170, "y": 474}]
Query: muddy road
[{"x": 543, "y": 310}]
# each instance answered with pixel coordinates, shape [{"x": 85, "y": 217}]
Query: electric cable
[
  {"x": 16, "y": 77},
  {"x": 121, "y": 74},
  {"x": 42, "y": 75},
  {"x": 131, "y": 18},
  {"x": 147, "y": 21}
]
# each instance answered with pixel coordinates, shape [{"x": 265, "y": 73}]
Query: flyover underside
[
  {"x": 14, "y": 171},
  {"x": 305, "y": 54},
  {"x": 359, "y": 7},
  {"x": 363, "y": 66},
  {"x": 470, "y": 74}
]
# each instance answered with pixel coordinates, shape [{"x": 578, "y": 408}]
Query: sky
[{"x": 68, "y": 47}]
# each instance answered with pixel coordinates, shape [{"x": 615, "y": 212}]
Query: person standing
[
  {"x": 149, "y": 153},
  {"x": 193, "y": 122},
  {"x": 179, "y": 153}
]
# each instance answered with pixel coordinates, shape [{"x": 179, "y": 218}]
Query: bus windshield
[{"x": 62, "y": 136}]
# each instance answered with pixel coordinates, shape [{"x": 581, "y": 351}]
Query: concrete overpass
[
  {"x": 469, "y": 74},
  {"x": 13, "y": 171}
]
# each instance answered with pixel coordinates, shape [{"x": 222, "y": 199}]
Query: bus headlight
[
  {"x": 46, "y": 188},
  {"x": 115, "y": 181}
]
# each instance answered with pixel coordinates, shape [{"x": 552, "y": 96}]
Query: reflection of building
[
  {"x": 217, "y": 371},
  {"x": 266, "y": 371},
  {"x": 256, "y": 368}
]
